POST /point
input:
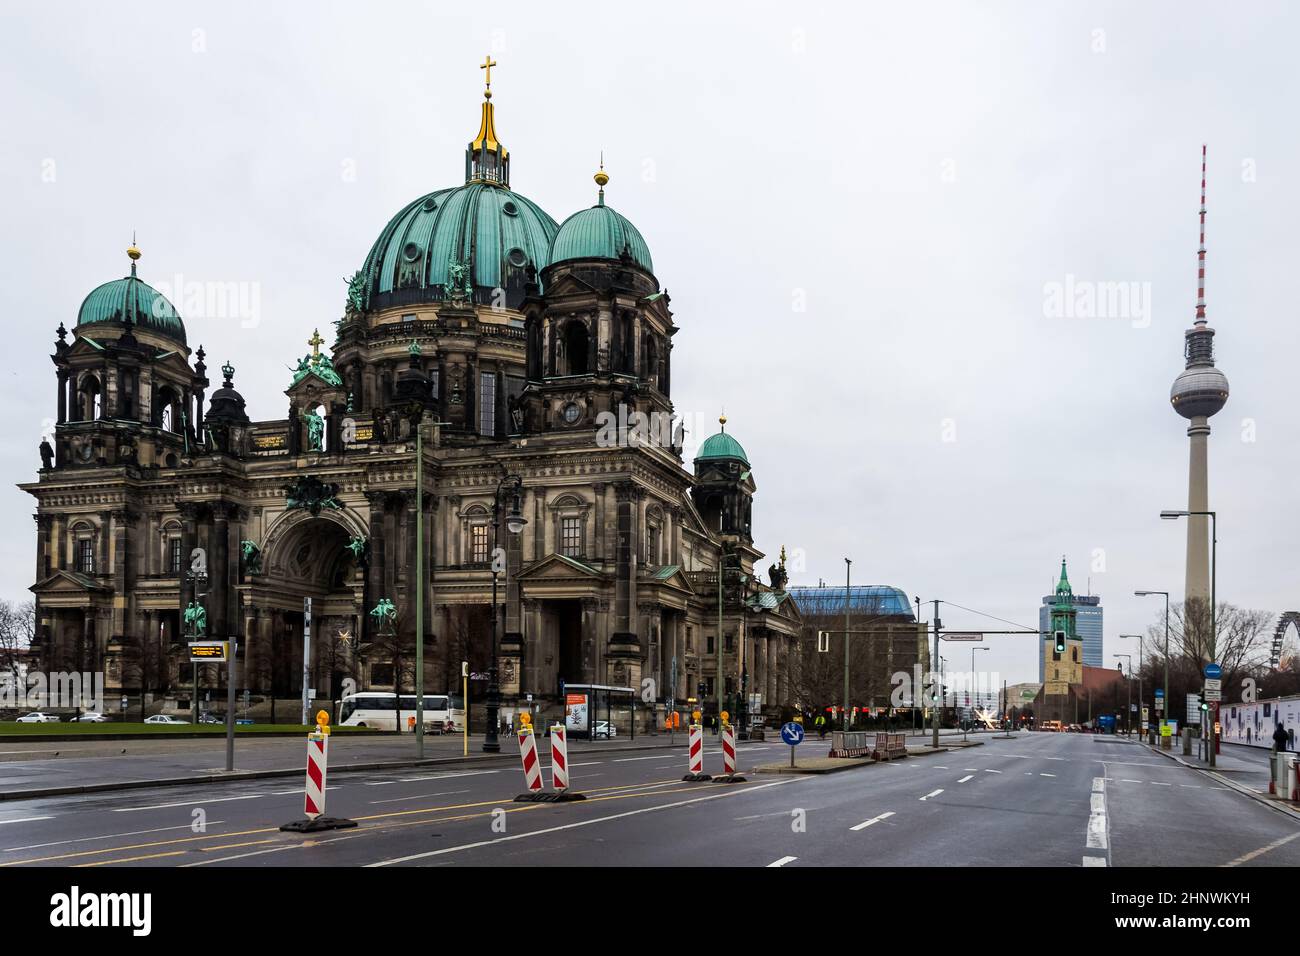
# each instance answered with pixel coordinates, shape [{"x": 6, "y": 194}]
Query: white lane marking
[
  {"x": 965, "y": 778},
  {"x": 1047, "y": 775},
  {"x": 1127, "y": 780},
  {"x": 782, "y": 862},
  {"x": 106, "y": 836},
  {"x": 419, "y": 796},
  {"x": 866, "y": 823},
  {"x": 1262, "y": 850},
  {"x": 1157, "y": 783},
  {"x": 576, "y": 824},
  {"x": 379, "y": 783},
  {"x": 1053, "y": 758},
  {"x": 1098, "y": 829},
  {"x": 445, "y": 776},
  {"x": 25, "y": 820},
  {"x": 932, "y": 793},
  {"x": 969, "y": 769},
  {"x": 661, "y": 756},
  {"x": 987, "y": 770},
  {"x": 1094, "y": 861},
  {"x": 285, "y": 793},
  {"x": 240, "y": 856},
  {"x": 1015, "y": 756},
  {"x": 1098, "y": 784},
  {"x": 1190, "y": 786},
  {"x": 196, "y": 802},
  {"x": 940, "y": 768}
]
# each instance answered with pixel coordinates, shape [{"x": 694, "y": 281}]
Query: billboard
[
  {"x": 575, "y": 711},
  {"x": 1253, "y": 724}
]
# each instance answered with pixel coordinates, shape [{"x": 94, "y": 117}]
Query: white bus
[{"x": 443, "y": 713}]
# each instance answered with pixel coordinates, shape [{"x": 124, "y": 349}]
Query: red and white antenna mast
[{"x": 1200, "y": 254}]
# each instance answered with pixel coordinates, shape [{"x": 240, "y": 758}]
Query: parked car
[
  {"x": 604, "y": 729},
  {"x": 36, "y": 717},
  {"x": 91, "y": 717},
  {"x": 211, "y": 719},
  {"x": 165, "y": 719}
]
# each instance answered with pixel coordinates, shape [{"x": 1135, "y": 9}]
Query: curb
[
  {"x": 1232, "y": 785},
  {"x": 290, "y": 772}
]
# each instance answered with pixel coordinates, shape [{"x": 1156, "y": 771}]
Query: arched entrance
[{"x": 306, "y": 557}]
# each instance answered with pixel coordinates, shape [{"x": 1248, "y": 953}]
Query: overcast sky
[{"x": 864, "y": 216}]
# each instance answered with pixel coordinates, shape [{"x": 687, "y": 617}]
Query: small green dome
[
  {"x": 495, "y": 230},
  {"x": 721, "y": 445},
  {"x": 147, "y": 307},
  {"x": 600, "y": 233}
]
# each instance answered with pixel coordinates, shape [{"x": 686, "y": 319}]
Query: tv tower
[{"x": 1199, "y": 391}]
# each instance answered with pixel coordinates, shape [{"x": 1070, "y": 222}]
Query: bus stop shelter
[{"x": 586, "y": 704}]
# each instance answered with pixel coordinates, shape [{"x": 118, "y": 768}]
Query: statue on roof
[
  {"x": 357, "y": 291},
  {"x": 315, "y": 431}
]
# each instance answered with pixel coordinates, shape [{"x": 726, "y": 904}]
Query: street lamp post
[
  {"x": 1165, "y": 594},
  {"x": 515, "y": 522},
  {"x": 1128, "y": 714},
  {"x": 1141, "y": 699},
  {"x": 1214, "y": 609}
]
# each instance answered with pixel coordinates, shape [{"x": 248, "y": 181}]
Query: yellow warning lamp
[
  {"x": 323, "y": 722},
  {"x": 525, "y": 719},
  {"x": 724, "y": 715}
]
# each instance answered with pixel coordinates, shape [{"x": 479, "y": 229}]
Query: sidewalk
[
  {"x": 117, "y": 765},
  {"x": 1244, "y": 769}
]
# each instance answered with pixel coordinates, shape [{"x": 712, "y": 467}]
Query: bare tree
[
  {"x": 1241, "y": 647},
  {"x": 17, "y": 629}
]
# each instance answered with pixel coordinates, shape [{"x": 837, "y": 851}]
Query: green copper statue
[
  {"x": 315, "y": 431},
  {"x": 196, "y": 618}
]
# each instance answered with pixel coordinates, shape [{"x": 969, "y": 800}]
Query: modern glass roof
[{"x": 879, "y": 599}]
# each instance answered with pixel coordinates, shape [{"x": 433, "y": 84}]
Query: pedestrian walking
[{"x": 1280, "y": 739}]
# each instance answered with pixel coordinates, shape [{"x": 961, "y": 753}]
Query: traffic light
[
  {"x": 1200, "y": 698},
  {"x": 1060, "y": 642}
]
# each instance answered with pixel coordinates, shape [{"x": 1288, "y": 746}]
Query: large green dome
[
  {"x": 721, "y": 445},
  {"x": 496, "y": 231},
  {"x": 131, "y": 296},
  {"x": 600, "y": 233}
]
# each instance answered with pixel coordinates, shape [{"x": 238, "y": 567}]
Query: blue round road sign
[
  {"x": 792, "y": 733},
  {"x": 1213, "y": 671}
]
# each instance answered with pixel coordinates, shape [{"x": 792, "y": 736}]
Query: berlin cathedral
[{"x": 452, "y": 426}]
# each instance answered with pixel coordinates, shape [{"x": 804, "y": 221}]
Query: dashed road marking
[
  {"x": 782, "y": 862},
  {"x": 965, "y": 778},
  {"x": 932, "y": 793},
  {"x": 866, "y": 823},
  {"x": 1047, "y": 775},
  {"x": 1094, "y": 861}
]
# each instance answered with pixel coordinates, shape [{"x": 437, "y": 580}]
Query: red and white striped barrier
[
  {"x": 313, "y": 801},
  {"x": 528, "y": 754},
  {"x": 559, "y": 759},
  {"x": 318, "y": 749},
  {"x": 728, "y": 749},
  {"x": 695, "y": 754}
]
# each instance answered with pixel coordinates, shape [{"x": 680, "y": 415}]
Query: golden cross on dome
[
  {"x": 487, "y": 65},
  {"x": 315, "y": 343}
]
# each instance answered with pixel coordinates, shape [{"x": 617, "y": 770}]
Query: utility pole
[
  {"x": 938, "y": 687},
  {"x": 844, "y": 710}
]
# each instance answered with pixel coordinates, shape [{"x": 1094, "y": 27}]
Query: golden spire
[
  {"x": 315, "y": 343},
  {"x": 487, "y": 132},
  {"x": 132, "y": 252},
  {"x": 722, "y": 420},
  {"x": 601, "y": 178}
]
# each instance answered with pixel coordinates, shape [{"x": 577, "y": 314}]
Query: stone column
[
  {"x": 189, "y": 538},
  {"x": 771, "y": 663},
  {"x": 378, "y": 558},
  {"x": 624, "y": 651},
  {"x": 219, "y": 572}
]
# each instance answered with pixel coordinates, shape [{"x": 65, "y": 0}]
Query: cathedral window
[
  {"x": 86, "y": 555},
  {"x": 174, "y": 556},
  {"x": 569, "y": 517},
  {"x": 478, "y": 543},
  {"x": 487, "y": 405},
  {"x": 571, "y": 537},
  {"x": 575, "y": 348}
]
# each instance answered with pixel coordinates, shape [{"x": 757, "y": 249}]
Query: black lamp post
[{"x": 515, "y": 521}]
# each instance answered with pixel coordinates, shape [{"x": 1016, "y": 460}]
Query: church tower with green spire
[{"x": 1062, "y": 657}]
